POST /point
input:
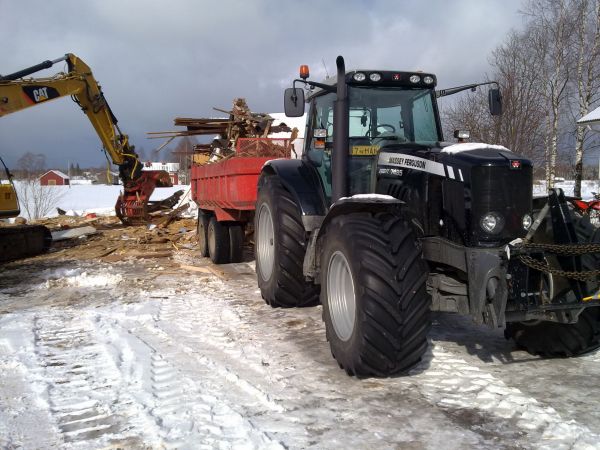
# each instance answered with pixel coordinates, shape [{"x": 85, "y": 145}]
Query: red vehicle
[{"x": 225, "y": 192}]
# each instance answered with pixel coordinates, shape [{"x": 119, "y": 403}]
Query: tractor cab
[{"x": 386, "y": 109}]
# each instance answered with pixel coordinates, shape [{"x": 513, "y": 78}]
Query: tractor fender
[
  {"x": 345, "y": 205},
  {"x": 302, "y": 181},
  {"x": 359, "y": 203}
]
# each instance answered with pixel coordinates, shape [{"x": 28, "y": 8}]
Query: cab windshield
[
  {"x": 379, "y": 117},
  {"x": 386, "y": 116}
]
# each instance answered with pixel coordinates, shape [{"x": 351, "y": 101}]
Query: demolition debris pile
[{"x": 240, "y": 134}]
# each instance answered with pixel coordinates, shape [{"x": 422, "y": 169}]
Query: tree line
[
  {"x": 549, "y": 75},
  {"x": 32, "y": 165}
]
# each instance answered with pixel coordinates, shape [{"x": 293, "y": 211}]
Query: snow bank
[{"x": 79, "y": 278}]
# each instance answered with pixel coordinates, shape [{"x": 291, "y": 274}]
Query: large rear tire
[
  {"x": 201, "y": 231},
  {"x": 236, "y": 242},
  {"x": 280, "y": 247},
  {"x": 218, "y": 241},
  {"x": 552, "y": 339},
  {"x": 375, "y": 305}
]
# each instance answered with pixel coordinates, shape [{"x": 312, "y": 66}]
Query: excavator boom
[{"x": 17, "y": 93}]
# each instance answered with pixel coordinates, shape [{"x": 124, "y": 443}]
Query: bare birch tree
[
  {"x": 586, "y": 45},
  {"x": 35, "y": 200},
  {"x": 550, "y": 30},
  {"x": 38, "y": 201},
  {"x": 520, "y": 127}
]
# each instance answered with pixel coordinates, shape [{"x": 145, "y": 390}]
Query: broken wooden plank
[
  {"x": 146, "y": 255},
  {"x": 71, "y": 233},
  {"x": 168, "y": 218},
  {"x": 203, "y": 269},
  {"x": 207, "y": 269}
]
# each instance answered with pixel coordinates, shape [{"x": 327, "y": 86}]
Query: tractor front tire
[
  {"x": 280, "y": 245},
  {"x": 552, "y": 339},
  {"x": 375, "y": 306}
]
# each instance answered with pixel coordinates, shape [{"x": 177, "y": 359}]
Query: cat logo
[{"x": 40, "y": 95}]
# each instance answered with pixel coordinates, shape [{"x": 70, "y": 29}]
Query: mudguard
[
  {"x": 360, "y": 203},
  {"x": 302, "y": 181}
]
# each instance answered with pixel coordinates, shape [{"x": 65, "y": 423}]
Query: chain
[
  {"x": 567, "y": 250},
  {"x": 545, "y": 267}
]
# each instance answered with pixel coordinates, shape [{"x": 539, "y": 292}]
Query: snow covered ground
[{"x": 144, "y": 354}]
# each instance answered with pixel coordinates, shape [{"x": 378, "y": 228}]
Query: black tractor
[{"x": 382, "y": 222}]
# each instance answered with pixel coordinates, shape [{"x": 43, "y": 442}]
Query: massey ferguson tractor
[{"x": 386, "y": 222}]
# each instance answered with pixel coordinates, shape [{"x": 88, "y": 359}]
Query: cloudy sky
[{"x": 157, "y": 60}]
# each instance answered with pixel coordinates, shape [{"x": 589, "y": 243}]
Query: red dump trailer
[{"x": 225, "y": 192}]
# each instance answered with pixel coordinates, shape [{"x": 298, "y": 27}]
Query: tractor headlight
[
  {"x": 359, "y": 76},
  {"x": 492, "y": 223},
  {"x": 415, "y": 78},
  {"x": 428, "y": 79},
  {"x": 527, "y": 221},
  {"x": 375, "y": 77}
]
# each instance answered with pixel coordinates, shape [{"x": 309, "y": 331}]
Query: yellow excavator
[
  {"x": 17, "y": 93},
  {"x": 18, "y": 241}
]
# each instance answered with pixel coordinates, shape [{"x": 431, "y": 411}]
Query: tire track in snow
[
  {"x": 81, "y": 382},
  {"x": 171, "y": 319},
  {"x": 183, "y": 397},
  {"x": 450, "y": 382}
]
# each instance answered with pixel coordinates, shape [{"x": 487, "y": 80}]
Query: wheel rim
[
  {"x": 341, "y": 298},
  {"x": 265, "y": 247},
  {"x": 211, "y": 239}
]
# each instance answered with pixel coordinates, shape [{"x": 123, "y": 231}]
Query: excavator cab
[{"x": 9, "y": 204}]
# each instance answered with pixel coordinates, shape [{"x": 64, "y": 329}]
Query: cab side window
[{"x": 322, "y": 118}]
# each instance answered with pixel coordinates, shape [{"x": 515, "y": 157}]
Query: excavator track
[{"x": 22, "y": 241}]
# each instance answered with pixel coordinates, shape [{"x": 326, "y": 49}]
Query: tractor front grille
[{"x": 502, "y": 190}]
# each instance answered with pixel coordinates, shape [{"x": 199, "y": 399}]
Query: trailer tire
[
  {"x": 201, "y": 231},
  {"x": 218, "y": 241},
  {"x": 373, "y": 290},
  {"x": 236, "y": 242},
  {"x": 280, "y": 245},
  {"x": 552, "y": 339}
]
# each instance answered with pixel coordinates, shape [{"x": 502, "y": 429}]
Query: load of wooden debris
[{"x": 241, "y": 134}]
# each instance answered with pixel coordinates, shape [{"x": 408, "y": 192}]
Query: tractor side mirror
[
  {"x": 495, "y": 100},
  {"x": 293, "y": 102}
]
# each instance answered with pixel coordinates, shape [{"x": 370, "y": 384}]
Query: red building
[{"x": 54, "y": 178}]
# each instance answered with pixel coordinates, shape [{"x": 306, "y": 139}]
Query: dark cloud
[{"x": 157, "y": 60}]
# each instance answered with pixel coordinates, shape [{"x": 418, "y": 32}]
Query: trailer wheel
[
  {"x": 236, "y": 242},
  {"x": 375, "y": 306},
  {"x": 201, "y": 231},
  {"x": 280, "y": 245},
  {"x": 218, "y": 241},
  {"x": 552, "y": 339}
]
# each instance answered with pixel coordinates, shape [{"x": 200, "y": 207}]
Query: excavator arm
[{"x": 17, "y": 93}]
